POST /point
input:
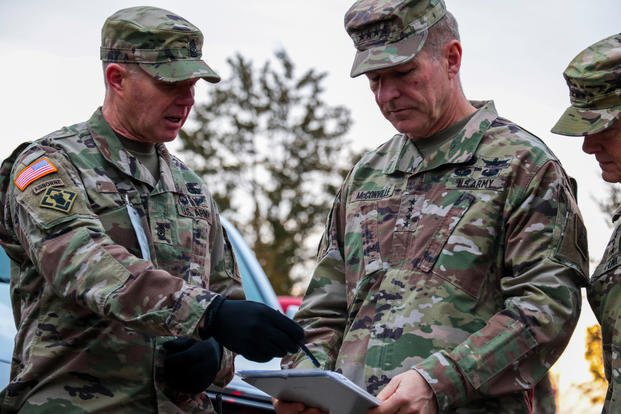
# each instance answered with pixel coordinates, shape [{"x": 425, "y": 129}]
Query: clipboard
[{"x": 328, "y": 390}]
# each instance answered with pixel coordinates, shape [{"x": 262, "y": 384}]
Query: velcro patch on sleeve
[
  {"x": 34, "y": 171},
  {"x": 54, "y": 182},
  {"x": 58, "y": 199}
]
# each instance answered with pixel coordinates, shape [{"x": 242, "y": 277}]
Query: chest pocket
[
  {"x": 369, "y": 229},
  {"x": 175, "y": 223},
  {"x": 111, "y": 209},
  {"x": 424, "y": 225}
]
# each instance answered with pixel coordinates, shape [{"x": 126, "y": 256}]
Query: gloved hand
[
  {"x": 190, "y": 366},
  {"x": 251, "y": 329}
]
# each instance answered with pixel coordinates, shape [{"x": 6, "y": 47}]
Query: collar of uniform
[
  {"x": 166, "y": 184},
  {"x": 403, "y": 155},
  {"x": 460, "y": 149},
  {"x": 112, "y": 150}
]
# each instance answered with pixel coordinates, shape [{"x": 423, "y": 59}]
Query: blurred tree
[
  {"x": 612, "y": 203},
  {"x": 595, "y": 390},
  {"x": 274, "y": 154},
  {"x": 593, "y": 353}
]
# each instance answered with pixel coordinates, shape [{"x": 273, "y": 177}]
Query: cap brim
[
  {"x": 180, "y": 70},
  {"x": 386, "y": 56},
  {"x": 576, "y": 122}
]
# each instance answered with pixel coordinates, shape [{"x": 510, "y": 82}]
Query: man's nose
[
  {"x": 386, "y": 91},
  {"x": 186, "y": 96},
  {"x": 590, "y": 145}
]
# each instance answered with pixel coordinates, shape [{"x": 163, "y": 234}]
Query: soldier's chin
[
  {"x": 169, "y": 135},
  {"x": 610, "y": 177}
]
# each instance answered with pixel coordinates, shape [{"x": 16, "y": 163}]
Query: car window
[
  {"x": 257, "y": 286},
  {"x": 250, "y": 286},
  {"x": 5, "y": 267}
]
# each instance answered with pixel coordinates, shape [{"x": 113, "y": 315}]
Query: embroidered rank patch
[
  {"x": 39, "y": 188},
  {"x": 163, "y": 232},
  {"x": 56, "y": 199},
  {"x": 34, "y": 171}
]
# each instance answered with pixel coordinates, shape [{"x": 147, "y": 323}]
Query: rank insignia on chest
[
  {"x": 34, "y": 171},
  {"x": 57, "y": 199}
]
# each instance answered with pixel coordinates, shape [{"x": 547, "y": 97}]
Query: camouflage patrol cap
[
  {"x": 594, "y": 80},
  {"x": 164, "y": 44},
  {"x": 389, "y": 32}
]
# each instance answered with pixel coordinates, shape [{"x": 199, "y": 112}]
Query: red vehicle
[{"x": 290, "y": 304}]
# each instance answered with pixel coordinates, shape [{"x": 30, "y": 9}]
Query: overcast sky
[{"x": 514, "y": 53}]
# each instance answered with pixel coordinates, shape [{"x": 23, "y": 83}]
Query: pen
[
  {"x": 310, "y": 355},
  {"x": 218, "y": 403}
]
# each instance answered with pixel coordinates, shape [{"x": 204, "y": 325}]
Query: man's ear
[
  {"x": 115, "y": 75},
  {"x": 452, "y": 53}
]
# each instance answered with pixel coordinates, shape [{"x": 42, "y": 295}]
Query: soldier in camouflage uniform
[
  {"x": 448, "y": 277},
  {"x": 122, "y": 274},
  {"x": 594, "y": 80}
]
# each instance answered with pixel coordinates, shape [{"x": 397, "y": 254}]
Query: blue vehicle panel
[{"x": 7, "y": 324}]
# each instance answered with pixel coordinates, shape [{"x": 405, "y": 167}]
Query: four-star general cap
[
  {"x": 164, "y": 44},
  {"x": 594, "y": 80},
  {"x": 389, "y": 32}
]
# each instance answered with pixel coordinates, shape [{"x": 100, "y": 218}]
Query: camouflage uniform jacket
[
  {"x": 465, "y": 266},
  {"x": 604, "y": 294},
  {"x": 90, "y": 312}
]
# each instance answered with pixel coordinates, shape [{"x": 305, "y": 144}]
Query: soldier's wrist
[{"x": 205, "y": 327}]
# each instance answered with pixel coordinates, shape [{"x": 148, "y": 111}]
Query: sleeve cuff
[
  {"x": 227, "y": 368},
  {"x": 445, "y": 379},
  {"x": 205, "y": 326}
]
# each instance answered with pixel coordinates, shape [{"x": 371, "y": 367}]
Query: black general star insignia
[{"x": 56, "y": 199}]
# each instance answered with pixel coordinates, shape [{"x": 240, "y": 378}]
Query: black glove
[
  {"x": 251, "y": 329},
  {"x": 191, "y": 366}
]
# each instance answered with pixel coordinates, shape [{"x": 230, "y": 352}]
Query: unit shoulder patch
[{"x": 57, "y": 199}]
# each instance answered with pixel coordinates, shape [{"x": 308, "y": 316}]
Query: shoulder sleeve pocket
[{"x": 572, "y": 248}]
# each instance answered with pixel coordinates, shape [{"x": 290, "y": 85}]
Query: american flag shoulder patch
[{"x": 34, "y": 171}]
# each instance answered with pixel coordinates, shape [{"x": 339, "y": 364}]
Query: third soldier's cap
[
  {"x": 164, "y": 44},
  {"x": 594, "y": 80},
  {"x": 389, "y": 32}
]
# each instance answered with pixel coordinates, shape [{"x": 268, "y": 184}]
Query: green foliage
[
  {"x": 596, "y": 389},
  {"x": 593, "y": 354},
  {"x": 274, "y": 154}
]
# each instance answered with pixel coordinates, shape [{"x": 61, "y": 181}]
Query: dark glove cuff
[
  {"x": 206, "y": 330},
  {"x": 220, "y": 350}
]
